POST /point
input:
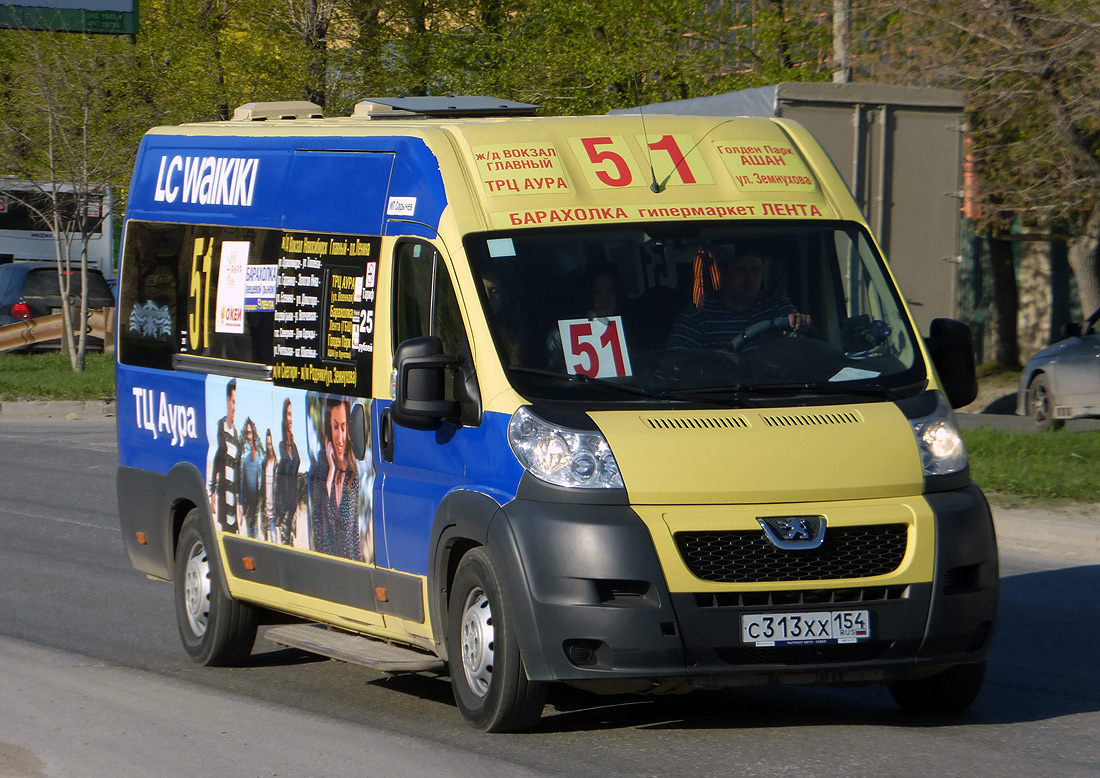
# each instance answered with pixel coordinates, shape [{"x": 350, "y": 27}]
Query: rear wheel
[
  {"x": 215, "y": 629},
  {"x": 1040, "y": 404},
  {"x": 948, "y": 691},
  {"x": 490, "y": 684}
]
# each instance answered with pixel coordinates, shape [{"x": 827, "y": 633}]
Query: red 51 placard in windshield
[{"x": 595, "y": 347}]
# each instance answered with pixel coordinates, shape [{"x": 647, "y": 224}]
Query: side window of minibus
[
  {"x": 418, "y": 309},
  {"x": 148, "y": 310},
  {"x": 421, "y": 309},
  {"x": 253, "y": 341}
]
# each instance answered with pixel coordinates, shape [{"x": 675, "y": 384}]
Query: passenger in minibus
[
  {"x": 510, "y": 339},
  {"x": 601, "y": 300}
]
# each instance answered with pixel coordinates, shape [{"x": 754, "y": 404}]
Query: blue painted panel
[
  {"x": 492, "y": 466},
  {"x": 200, "y": 180},
  {"x": 417, "y": 179},
  {"x": 161, "y": 419},
  {"x": 427, "y": 466},
  {"x": 359, "y": 182},
  {"x": 272, "y": 182}
]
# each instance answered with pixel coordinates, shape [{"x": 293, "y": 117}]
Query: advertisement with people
[{"x": 280, "y": 469}]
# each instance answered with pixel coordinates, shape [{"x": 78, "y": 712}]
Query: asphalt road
[{"x": 93, "y": 681}]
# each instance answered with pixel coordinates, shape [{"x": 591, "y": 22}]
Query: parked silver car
[{"x": 1063, "y": 380}]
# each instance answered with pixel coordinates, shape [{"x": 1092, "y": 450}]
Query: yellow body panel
[
  {"x": 771, "y": 455},
  {"x": 313, "y": 608}
]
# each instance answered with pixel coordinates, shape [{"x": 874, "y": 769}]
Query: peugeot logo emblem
[{"x": 794, "y": 533}]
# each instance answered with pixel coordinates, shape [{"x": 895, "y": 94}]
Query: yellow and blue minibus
[{"x": 627, "y": 402}]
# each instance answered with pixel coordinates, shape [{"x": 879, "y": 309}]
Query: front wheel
[
  {"x": 215, "y": 629},
  {"x": 948, "y": 691},
  {"x": 490, "y": 684}
]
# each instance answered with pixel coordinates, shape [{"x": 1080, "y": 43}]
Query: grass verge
[
  {"x": 1059, "y": 465},
  {"x": 50, "y": 376}
]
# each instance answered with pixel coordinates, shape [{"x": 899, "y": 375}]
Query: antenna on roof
[{"x": 654, "y": 186}]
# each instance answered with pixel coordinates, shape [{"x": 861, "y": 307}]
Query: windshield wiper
[
  {"x": 863, "y": 390},
  {"x": 581, "y": 378},
  {"x": 872, "y": 390},
  {"x": 732, "y": 395}
]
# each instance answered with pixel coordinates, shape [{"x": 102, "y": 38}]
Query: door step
[{"x": 375, "y": 654}]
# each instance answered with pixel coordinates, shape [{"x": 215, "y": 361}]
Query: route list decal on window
[{"x": 324, "y": 311}]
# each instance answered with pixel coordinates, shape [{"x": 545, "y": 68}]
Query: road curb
[{"x": 69, "y": 410}]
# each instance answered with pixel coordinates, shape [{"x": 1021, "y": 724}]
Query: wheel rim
[
  {"x": 196, "y": 589},
  {"x": 1040, "y": 403},
  {"x": 478, "y": 642}
]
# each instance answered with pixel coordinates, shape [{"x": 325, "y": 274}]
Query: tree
[
  {"x": 69, "y": 129},
  {"x": 574, "y": 56},
  {"x": 1029, "y": 69},
  {"x": 308, "y": 21}
]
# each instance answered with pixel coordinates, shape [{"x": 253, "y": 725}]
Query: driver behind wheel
[{"x": 728, "y": 298}]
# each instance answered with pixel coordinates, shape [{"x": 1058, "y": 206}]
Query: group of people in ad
[{"x": 258, "y": 490}]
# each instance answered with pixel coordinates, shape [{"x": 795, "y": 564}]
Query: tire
[
  {"x": 1040, "y": 404},
  {"x": 948, "y": 691},
  {"x": 490, "y": 684},
  {"x": 215, "y": 629}
]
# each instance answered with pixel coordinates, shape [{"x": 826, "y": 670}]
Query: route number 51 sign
[{"x": 595, "y": 347}]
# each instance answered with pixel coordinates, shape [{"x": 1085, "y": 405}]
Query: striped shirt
[{"x": 716, "y": 325}]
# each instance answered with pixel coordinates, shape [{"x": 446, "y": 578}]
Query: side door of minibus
[{"x": 417, "y": 468}]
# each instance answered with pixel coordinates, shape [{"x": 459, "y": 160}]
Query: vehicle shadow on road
[
  {"x": 1044, "y": 660},
  {"x": 1042, "y": 666}
]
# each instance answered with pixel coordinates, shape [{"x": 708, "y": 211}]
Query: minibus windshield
[{"x": 697, "y": 311}]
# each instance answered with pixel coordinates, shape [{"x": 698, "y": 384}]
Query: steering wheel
[{"x": 780, "y": 324}]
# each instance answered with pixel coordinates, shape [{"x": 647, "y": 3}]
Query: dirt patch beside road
[{"x": 1069, "y": 531}]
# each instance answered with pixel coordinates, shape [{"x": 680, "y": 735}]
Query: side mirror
[
  {"x": 419, "y": 401},
  {"x": 1072, "y": 330},
  {"x": 952, "y": 348}
]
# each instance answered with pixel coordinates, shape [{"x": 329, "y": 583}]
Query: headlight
[
  {"x": 942, "y": 450},
  {"x": 561, "y": 456}
]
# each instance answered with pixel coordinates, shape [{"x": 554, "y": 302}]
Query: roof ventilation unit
[{"x": 287, "y": 109}]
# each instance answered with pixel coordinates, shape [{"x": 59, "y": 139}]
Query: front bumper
[{"x": 598, "y": 605}]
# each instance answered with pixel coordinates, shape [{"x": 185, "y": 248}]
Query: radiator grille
[
  {"x": 786, "y": 598},
  {"x": 748, "y": 557}
]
